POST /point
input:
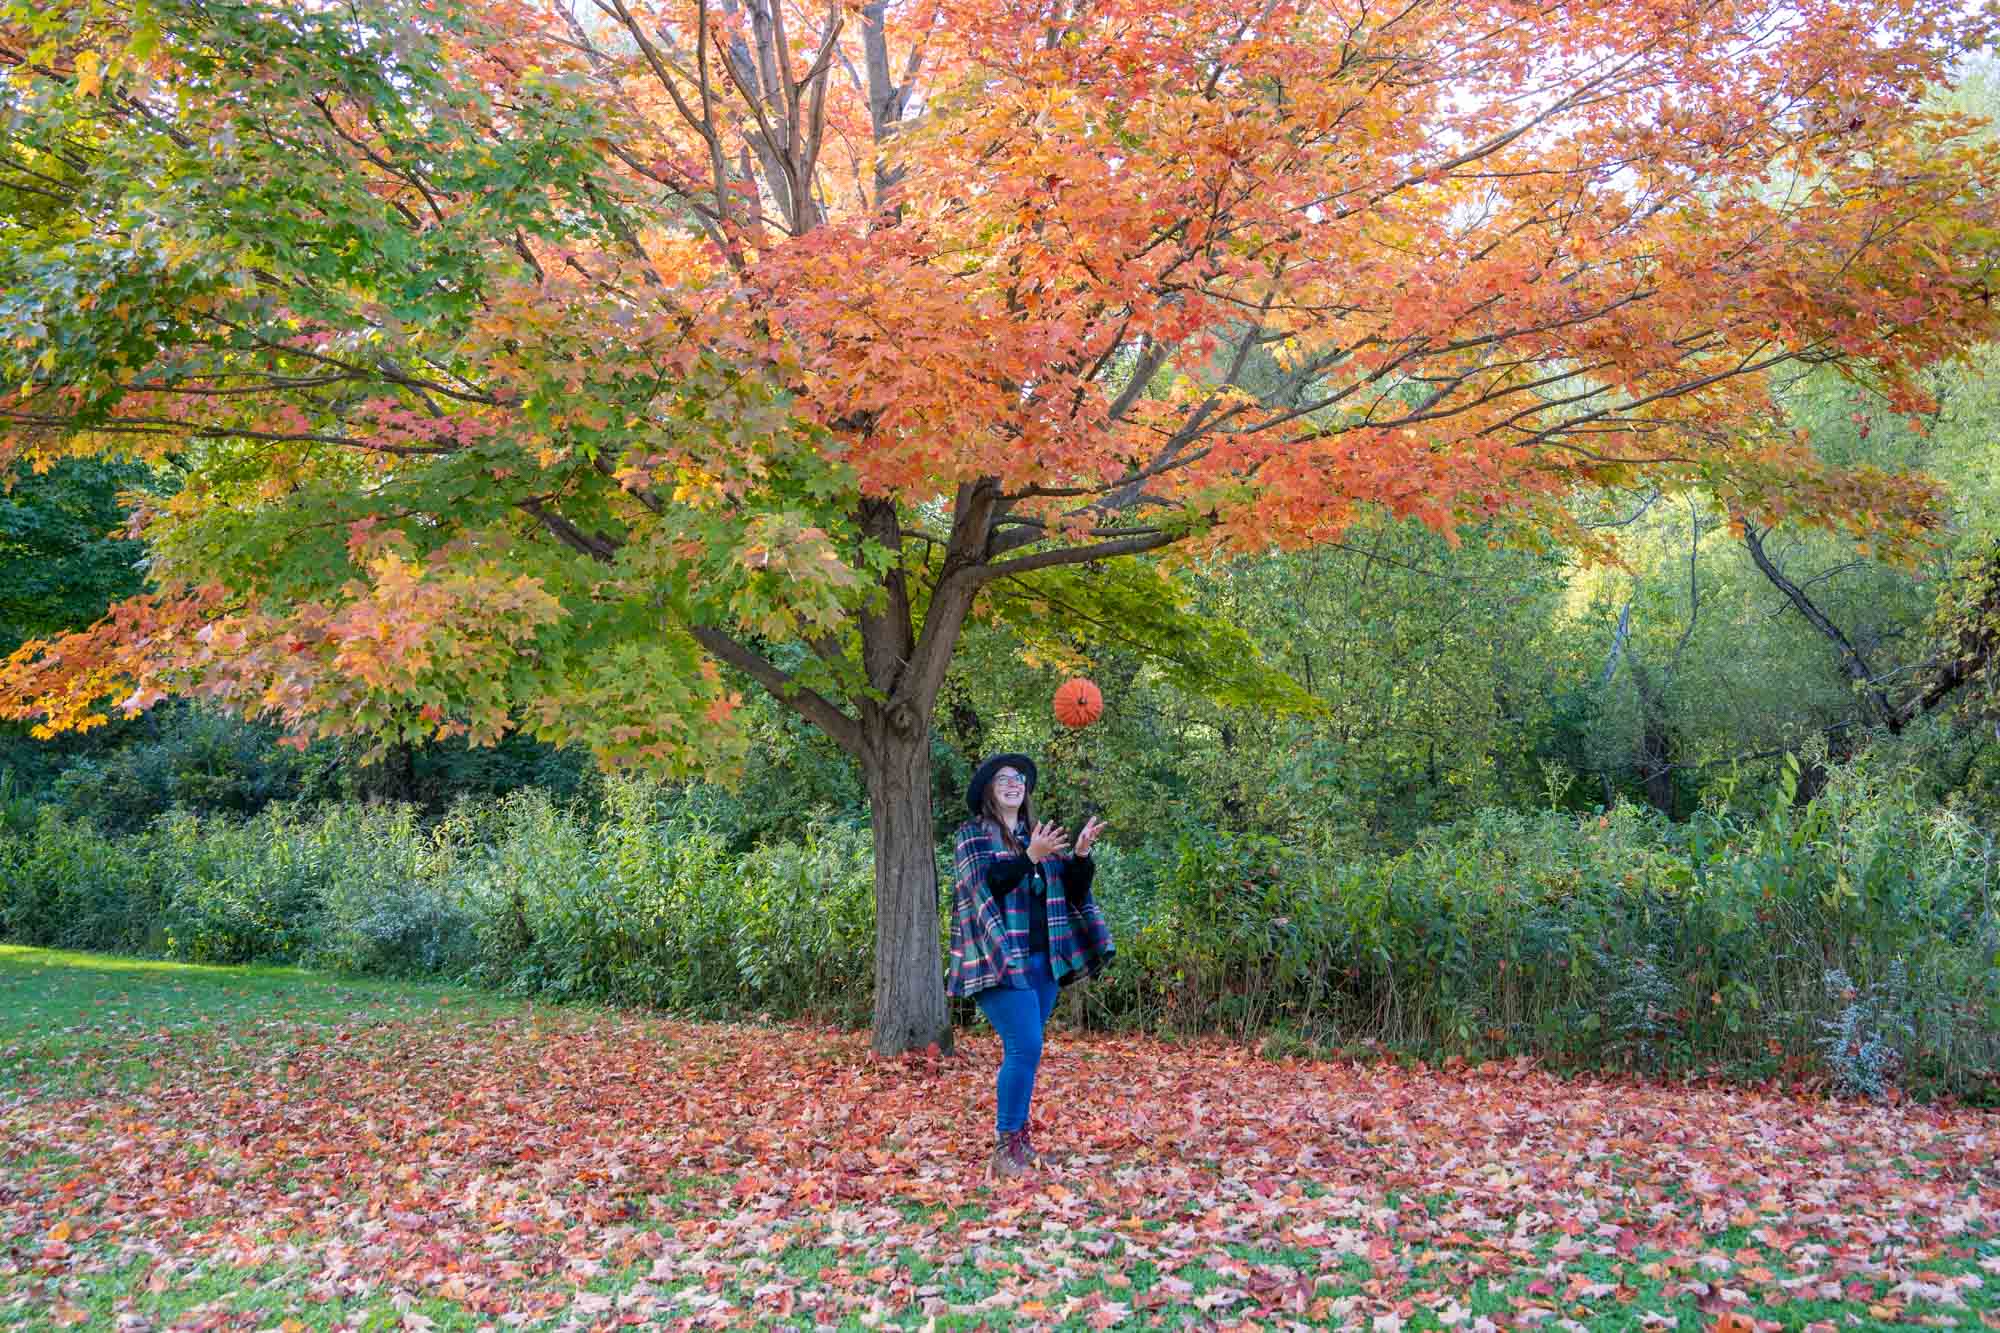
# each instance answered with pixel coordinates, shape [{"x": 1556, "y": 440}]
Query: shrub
[
  {"x": 387, "y": 894},
  {"x": 805, "y": 939},
  {"x": 1865, "y": 1039},
  {"x": 181, "y": 756},
  {"x": 1614, "y": 939},
  {"x": 66, "y": 886},
  {"x": 238, "y": 891}
]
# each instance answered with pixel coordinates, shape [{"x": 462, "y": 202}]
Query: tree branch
[
  {"x": 1851, "y": 661},
  {"x": 598, "y": 547},
  {"x": 959, "y": 577},
  {"x": 1694, "y": 584},
  {"x": 1074, "y": 555},
  {"x": 808, "y": 704},
  {"x": 1618, "y": 641}
]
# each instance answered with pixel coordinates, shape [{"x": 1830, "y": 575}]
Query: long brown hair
[{"x": 993, "y": 821}]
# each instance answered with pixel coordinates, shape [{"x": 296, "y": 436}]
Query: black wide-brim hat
[{"x": 975, "y": 791}]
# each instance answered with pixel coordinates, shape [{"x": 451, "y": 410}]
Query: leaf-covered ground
[{"x": 186, "y": 1147}]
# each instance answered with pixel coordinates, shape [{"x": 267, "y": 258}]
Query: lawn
[{"x": 260, "y": 1148}]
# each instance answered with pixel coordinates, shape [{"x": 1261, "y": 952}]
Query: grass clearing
[{"x": 73, "y": 1022}]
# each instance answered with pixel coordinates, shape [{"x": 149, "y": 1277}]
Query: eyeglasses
[{"x": 1008, "y": 778}]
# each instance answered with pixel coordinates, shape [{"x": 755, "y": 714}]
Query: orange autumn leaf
[
  {"x": 1159, "y": 260},
  {"x": 1183, "y": 1172}
]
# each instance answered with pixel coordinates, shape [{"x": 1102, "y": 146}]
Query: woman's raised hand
[
  {"x": 1088, "y": 838},
  {"x": 1050, "y": 839}
]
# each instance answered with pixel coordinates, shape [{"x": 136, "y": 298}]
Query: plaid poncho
[{"x": 989, "y": 948}]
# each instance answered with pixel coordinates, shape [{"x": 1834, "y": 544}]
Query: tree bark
[
  {"x": 1655, "y": 759},
  {"x": 905, "y": 671},
  {"x": 910, "y": 1008}
]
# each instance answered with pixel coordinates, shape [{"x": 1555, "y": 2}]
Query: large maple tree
[{"x": 525, "y": 365}]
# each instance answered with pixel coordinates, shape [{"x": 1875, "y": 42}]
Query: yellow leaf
[
  {"x": 89, "y": 74},
  {"x": 60, "y": 1231}
]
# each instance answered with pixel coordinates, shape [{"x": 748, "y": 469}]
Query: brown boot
[
  {"x": 1007, "y": 1163},
  {"x": 1024, "y": 1146}
]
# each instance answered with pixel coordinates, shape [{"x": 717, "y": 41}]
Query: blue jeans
[{"x": 1019, "y": 1013}]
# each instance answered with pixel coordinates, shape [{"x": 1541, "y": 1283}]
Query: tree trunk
[
  {"x": 1655, "y": 758},
  {"x": 910, "y": 1009}
]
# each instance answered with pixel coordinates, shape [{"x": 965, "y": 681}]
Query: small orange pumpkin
[{"x": 1078, "y": 702}]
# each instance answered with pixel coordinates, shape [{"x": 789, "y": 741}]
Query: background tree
[
  {"x": 62, "y": 563},
  {"x": 66, "y": 561},
  {"x": 1782, "y": 638},
  {"x": 528, "y": 366}
]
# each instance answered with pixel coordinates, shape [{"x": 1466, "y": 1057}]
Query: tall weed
[{"x": 1612, "y": 940}]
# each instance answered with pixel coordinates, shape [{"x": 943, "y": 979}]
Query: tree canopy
[{"x": 525, "y": 366}]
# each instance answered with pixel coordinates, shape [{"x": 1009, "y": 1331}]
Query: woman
[{"x": 1023, "y": 924}]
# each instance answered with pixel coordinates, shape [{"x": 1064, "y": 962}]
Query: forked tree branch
[{"x": 809, "y": 704}]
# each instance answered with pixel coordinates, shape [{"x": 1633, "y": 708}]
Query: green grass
[
  {"x": 74, "y": 1022},
  {"x": 42, "y": 986},
  {"x": 110, "y": 1048}
]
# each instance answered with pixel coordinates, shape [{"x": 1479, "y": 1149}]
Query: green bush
[
  {"x": 805, "y": 942},
  {"x": 181, "y": 755},
  {"x": 65, "y": 885},
  {"x": 387, "y": 893},
  {"x": 239, "y": 892},
  {"x": 1613, "y": 940}
]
